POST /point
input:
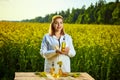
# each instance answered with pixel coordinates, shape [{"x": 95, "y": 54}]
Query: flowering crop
[{"x": 97, "y": 48}]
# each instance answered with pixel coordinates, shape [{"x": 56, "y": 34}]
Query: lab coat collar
[{"x": 60, "y": 37}]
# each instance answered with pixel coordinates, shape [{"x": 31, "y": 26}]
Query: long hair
[{"x": 52, "y": 29}]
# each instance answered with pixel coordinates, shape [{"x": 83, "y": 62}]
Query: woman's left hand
[{"x": 66, "y": 51}]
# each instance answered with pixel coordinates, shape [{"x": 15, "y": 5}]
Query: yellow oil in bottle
[
  {"x": 60, "y": 72},
  {"x": 63, "y": 45}
]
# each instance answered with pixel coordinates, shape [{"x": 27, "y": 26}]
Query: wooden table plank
[
  {"x": 26, "y": 74},
  {"x": 32, "y": 76}
]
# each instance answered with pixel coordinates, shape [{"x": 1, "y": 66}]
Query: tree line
[{"x": 100, "y": 13}]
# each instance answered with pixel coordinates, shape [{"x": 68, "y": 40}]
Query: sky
[{"x": 16, "y": 10}]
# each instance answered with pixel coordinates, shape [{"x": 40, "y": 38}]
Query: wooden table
[{"x": 32, "y": 76}]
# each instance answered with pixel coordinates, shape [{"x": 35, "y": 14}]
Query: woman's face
[{"x": 58, "y": 24}]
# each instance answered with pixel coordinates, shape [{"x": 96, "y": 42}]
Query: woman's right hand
[
  {"x": 65, "y": 52},
  {"x": 58, "y": 51}
]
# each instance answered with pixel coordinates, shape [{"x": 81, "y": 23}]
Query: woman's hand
[
  {"x": 66, "y": 51},
  {"x": 58, "y": 51}
]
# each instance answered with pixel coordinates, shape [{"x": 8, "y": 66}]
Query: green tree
[
  {"x": 105, "y": 13},
  {"x": 101, "y": 3},
  {"x": 74, "y": 15},
  {"x": 117, "y": 1},
  {"x": 80, "y": 18},
  {"x": 116, "y": 14},
  {"x": 89, "y": 14},
  {"x": 67, "y": 13}
]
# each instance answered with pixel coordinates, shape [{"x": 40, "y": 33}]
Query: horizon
[{"x": 17, "y": 10}]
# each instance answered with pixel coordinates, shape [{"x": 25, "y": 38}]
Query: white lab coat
[{"x": 48, "y": 51}]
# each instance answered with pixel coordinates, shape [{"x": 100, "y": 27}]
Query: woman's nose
[{"x": 58, "y": 24}]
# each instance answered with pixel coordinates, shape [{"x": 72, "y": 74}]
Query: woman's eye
[
  {"x": 56, "y": 23},
  {"x": 61, "y": 22}
]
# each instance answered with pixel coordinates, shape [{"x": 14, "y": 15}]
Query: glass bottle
[
  {"x": 52, "y": 69},
  {"x": 63, "y": 45},
  {"x": 60, "y": 72}
]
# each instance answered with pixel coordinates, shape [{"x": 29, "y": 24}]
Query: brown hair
[{"x": 51, "y": 28}]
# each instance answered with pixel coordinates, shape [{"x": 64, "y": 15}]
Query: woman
[{"x": 51, "y": 46}]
